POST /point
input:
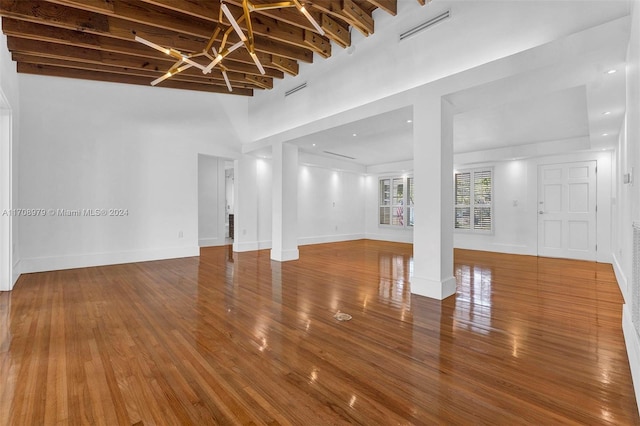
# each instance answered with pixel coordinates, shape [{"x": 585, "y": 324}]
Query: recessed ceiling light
[
  {"x": 606, "y": 113},
  {"x": 605, "y": 134},
  {"x": 314, "y": 144},
  {"x": 355, "y": 134},
  {"x": 409, "y": 121},
  {"x": 612, "y": 71}
]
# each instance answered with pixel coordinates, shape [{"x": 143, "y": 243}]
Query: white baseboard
[
  {"x": 620, "y": 277},
  {"x": 264, "y": 245},
  {"x": 16, "y": 273},
  {"x": 54, "y": 263},
  {"x": 400, "y": 238},
  {"x": 322, "y": 239},
  {"x": 633, "y": 349},
  {"x": 433, "y": 289},
  {"x": 285, "y": 255},
  {"x": 496, "y": 247},
  {"x": 245, "y": 246},
  {"x": 211, "y": 242}
]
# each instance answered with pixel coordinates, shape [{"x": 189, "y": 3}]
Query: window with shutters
[
  {"x": 474, "y": 200},
  {"x": 396, "y": 201}
]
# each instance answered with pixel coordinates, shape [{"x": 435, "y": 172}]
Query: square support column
[
  {"x": 245, "y": 195},
  {"x": 284, "y": 229},
  {"x": 433, "y": 177}
]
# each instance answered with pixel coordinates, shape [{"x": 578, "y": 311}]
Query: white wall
[
  {"x": 319, "y": 220},
  {"x": 627, "y": 207},
  {"x": 9, "y": 149},
  {"x": 515, "y": 205},
  {"x": 211, "y": 201},
  {"x": 91, "y": 145},
  {"x": 330, "y": 205},
  {"x": 264, "y": 173}
]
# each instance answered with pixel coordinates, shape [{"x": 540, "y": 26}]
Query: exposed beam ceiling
[{"x": 94, "y": 39}]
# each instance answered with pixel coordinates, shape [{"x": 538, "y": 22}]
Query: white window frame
[
  {"x": 474, "y": 203},
  {"x": 387, "y": 201}
]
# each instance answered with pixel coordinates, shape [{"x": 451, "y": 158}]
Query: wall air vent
[
  {"x": 430, "y": 23},
  {"x": 295, "y": 89},
  {"x": 339, "y": 155}
]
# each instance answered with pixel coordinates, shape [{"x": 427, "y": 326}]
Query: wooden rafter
[{"x": 94, "y": 39}]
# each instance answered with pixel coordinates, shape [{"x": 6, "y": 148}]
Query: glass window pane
[
  {"x": 463, "y": 188},
  {"x": 398, "y": 191},
  {"x": 482, "y": 218},
  {"x": 385, "y": 192},
  {"x": 463, "y": 218},
  {"x": 482, "y": 187},
  {"x": 398, "y": 216},
  {"x": 410, "y": 216},
  {"x": 410, "y": 192},
  {"x": 385, "y": 215}
]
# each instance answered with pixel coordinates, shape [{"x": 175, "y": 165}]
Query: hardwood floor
[{"x": 237, "y": 339}]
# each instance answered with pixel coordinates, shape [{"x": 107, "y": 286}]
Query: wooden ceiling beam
[
  {"x": 286, "y": 65},
  {"x": 389, "y": 6},
  {"x": 336, "y": 31},
  {"x": 144, "y": 14},
  {"x": 149, "y": 14},
  {"x": 54, "y": 71},
  {"x": 240, "y": 60},
  {"x": 238, "y": 80},
  {"x": 96, "y": 36},
  {"x": 292, "y": 16},
  {"x": 337, "y": 10},
  {"x": 81, "y": 20},
  {"x": 272, "y": 29},
  {"x": 361, "y": 19},
  {"x": 62, "y": 22},
  {"x": 60, "y": 51},
  {"x": 320, "y": 45},
  {"x": 208, "y": 10}
]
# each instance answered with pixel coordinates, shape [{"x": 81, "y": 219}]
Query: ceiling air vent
[
  {"x": 430, "y": 23},
  {"x": 339, "y": 155},
  {"x": 295, "y": 89}
]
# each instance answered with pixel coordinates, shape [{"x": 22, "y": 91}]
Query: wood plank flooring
[{"x": 237, "y": 339}]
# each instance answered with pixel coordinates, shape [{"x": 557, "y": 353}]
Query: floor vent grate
[{"x": 341, "y": 316}]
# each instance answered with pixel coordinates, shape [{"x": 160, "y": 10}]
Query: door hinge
[
  {"x": 596, "y": 169},
  {"x": 596, "y": 247}
]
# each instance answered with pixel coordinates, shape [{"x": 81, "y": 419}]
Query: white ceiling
[
  {"x": 378, "y": 139},
  {"x": 555, "y": 116},
  {"x": 569, "y": 98}
]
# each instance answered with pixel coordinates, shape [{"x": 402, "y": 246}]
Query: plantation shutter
[
  {"x": 482, "y": 183},
  {"x": 463, "y": 200}
]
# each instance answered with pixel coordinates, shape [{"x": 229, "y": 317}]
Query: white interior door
[{"x": 567, "y": 210}]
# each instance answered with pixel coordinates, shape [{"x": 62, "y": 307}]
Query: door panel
[{"x": 567, "y": 210}]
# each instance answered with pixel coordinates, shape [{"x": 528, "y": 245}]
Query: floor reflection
[
  {"x": 473, "y": 298},
  {"x": 393, "y": 287}
]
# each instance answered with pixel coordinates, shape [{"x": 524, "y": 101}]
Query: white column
[
  {"x": 433, "y": 170},
  {"x": 6, "y": 219},
  {"x": 284, "y": 229},
  {"x": 245, "y": 195}
]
